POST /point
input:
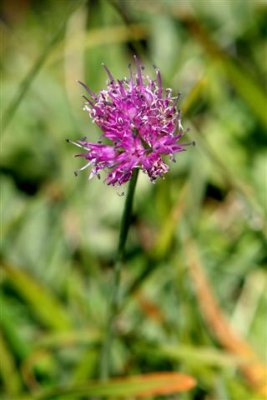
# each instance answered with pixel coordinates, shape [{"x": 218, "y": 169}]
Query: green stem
[{"x": 114, "y": 305}]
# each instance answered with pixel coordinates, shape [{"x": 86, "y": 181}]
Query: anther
[
  {"x": 75, "y": 143},
  {"x": 192, "y": 143},
  {"x": 120, "y": 194},
  {"x": 89, "y": 101}
]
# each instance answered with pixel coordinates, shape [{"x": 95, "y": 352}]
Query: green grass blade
[
  {"x": 10, "y": 377},
  {"x": 44, "y": 305}
]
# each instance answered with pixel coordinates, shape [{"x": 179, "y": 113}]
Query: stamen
[
  {"x": 85, "y": 166},
  {"x": 192, "y": 143},
  {"x": 111, "y": 78},
  {"x": 91, "y": 175},
  {"x": 76, "y": 144},
  {"x": 89, "y": 101},
  {"x": 139, "y": 71},
  {"x": 92, "y": 94},
  {"x": 177, "y": 98},
  {"x": 131, "y": 72},
  {"x": 159, "y": 80},
  {"x": 122, "y": 88}
]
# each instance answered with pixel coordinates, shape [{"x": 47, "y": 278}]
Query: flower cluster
[{"x": 141, "y": 123}]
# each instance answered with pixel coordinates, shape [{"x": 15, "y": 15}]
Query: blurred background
[{"x": 194, "y": 280}]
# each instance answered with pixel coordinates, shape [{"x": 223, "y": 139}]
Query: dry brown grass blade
[{"x": 254, "y": 370}]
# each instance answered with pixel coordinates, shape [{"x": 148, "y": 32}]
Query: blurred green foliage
[{"x": 59, "y": 233}]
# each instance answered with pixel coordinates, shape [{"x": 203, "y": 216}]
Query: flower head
[{"x": 140, "y": 124}]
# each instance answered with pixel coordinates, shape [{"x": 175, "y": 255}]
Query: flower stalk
[
  {"x": 141, "y": 129},
  {"x": 115, "y": 295}
]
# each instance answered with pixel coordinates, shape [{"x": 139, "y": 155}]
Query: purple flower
[{"x": 140, "y": 126}]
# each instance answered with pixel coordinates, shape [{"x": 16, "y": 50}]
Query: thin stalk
[{"x": 114, "y": 303}]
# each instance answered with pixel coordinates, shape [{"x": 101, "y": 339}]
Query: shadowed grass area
[{"x": 193, "y": 284}]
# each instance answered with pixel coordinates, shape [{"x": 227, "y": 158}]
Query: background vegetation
[{"x": 197, "y": 246}]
